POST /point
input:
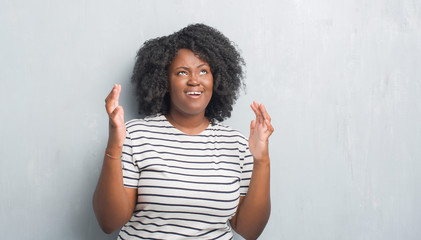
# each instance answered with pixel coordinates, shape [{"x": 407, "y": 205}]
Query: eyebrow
[{"x": 186, "y": 68}]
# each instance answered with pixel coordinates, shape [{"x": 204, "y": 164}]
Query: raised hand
[
  {"x": 115, "y": 112},
  {"x": 260, "y": 130}
]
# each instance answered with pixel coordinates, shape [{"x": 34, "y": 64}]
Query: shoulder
[
  {"x": 223, "y": 130},
  {"x": 149, "y": 122}
]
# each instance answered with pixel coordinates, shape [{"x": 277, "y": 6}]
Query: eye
[
  {"x": 184, "y": 73},
  {"x": 203, "y": 72}
]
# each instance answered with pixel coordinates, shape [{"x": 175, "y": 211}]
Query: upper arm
[
  {"x": 233, "y": 220},
  {"x": 130, "y": 173},
  {"x": 131, "y": 199}
]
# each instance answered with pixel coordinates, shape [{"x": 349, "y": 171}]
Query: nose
[{"x": 193, "y": 80}]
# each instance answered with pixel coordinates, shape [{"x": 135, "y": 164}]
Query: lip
[{"x": 194, "y": 94}]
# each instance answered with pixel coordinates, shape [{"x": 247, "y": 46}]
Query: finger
[
  {"x": 257, "y": 112},
  {"x": 253, "y": 107},
  {"x": 111, "y": 104},
  {"x": 261, "y": 114},
  {"x": 252, "y": 126},
  {"x": 117, "y": 112},
  {"x": 117, "y": 116},
  {"x": 110, "y": 94},
  {"x": 113, "y": 99},
  {"x": 116, "y": 94},
  {"x": 256, "y": 106},
  {"x": 119, "y": 91},
  {"x": 269, "y": 126},
  {"x": 264, "y": 112}
]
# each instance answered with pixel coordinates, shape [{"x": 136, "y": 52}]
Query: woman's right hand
[
  {"x": 113, "y": 203},
  {"x": 117, "y": 128}
]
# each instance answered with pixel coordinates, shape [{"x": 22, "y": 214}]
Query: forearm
[
  {"x": 254, "y": 211},
  {"x": 110, "y": 201}
]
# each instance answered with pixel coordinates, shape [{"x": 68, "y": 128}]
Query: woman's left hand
[{"x": 260, "y": 130}]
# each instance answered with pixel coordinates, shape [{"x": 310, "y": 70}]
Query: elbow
[
  {"x": 106, "y": 228},
  {"x": 109, "y": 225},
  {"x": 107, "y": 222},
  {"x": 254, "y": 230},
  {"x": 252, "y": 236},
  {"x": 248, "y": 234}
]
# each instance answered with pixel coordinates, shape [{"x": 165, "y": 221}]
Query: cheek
[
  {"x": 173, "y": 86},
  {"x": 210, "y": 83}
]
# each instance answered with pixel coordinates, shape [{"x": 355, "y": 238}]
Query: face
[{"x": 190, "y": 84}]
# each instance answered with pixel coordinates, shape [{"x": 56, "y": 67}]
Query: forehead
[{"x": 187, "y": 57}]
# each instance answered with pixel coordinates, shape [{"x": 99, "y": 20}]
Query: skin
[
  {"x": 188, "y": 73},
  {"x": 254, "y": 209},
  {"x": 114, "y": 204}
]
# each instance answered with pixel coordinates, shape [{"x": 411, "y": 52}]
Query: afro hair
[{"x": 150, "y": 73}]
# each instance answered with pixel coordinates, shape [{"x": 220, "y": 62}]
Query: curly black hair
[{"x": 150, "y": 73}]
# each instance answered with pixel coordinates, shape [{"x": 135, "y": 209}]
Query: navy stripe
[
  {"x": 180, "y": 219},
  {"x": 181, "y": 148},
  {"x": 210, "y": 128},
  {"x": 189, "y": 175},
  {"x": 180, "y": 141},
  {"x": 222, "y": 235},
  {"x": 187, "y": 206},
  {"x": 177, "y": 180},
  {"x": 174, "y": 233},
  {"x": 149, "y": 126},
  {"x": 128, "y": 170},
  {"x": 180, "y": 161},
  {"x": 126, "y": 177},
  {"x": 186, "y": 168},
  {"x": 195, "y": 198},
  {"x": 137, "y": 236},
  {"x": 182, "y": 134},
  {"x": 181, "y": 212},
  {"x": 126, "y": 153},
  {"x": 168, "y": 224},
  {"x": 186, "y": 155},
  {"x": 128, "y": 162},
  {"x": 187, "y": 189},
  {"x": 145, "y": 119}
]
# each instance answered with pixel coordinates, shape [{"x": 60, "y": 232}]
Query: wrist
[
  {"x": 115, "y": 141},
  {"x": 113, "y": 157},
  {"x": 264, "y": 161},
  {"x": 114, "y": 150}
]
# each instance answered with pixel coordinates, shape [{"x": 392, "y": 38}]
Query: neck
[{"x": 189, "y": 124}]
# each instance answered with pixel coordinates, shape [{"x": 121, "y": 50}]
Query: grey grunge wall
[{"x": 341, "y": 80}]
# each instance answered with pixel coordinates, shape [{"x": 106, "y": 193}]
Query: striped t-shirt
[{"x": 188, "y": 186}]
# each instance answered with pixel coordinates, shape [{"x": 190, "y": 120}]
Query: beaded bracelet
[{"x": 108, "y": 155}]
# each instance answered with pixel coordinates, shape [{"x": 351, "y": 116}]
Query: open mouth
[{"x": 194, "y": 93}]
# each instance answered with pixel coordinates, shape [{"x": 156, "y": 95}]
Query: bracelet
[{"x": 108, "y": 155}]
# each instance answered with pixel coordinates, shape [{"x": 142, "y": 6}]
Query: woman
[{"x": 178, "y": 173}]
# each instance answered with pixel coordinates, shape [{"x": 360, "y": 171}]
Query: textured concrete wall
[{"x": 341, "y": 79}]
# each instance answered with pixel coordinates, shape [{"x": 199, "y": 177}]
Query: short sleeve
[
  {"x": 246, "y": 167},
  {"x": 130, "y": 169}
]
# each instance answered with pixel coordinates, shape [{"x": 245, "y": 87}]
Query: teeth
[{"x": 194, "y": 93}]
